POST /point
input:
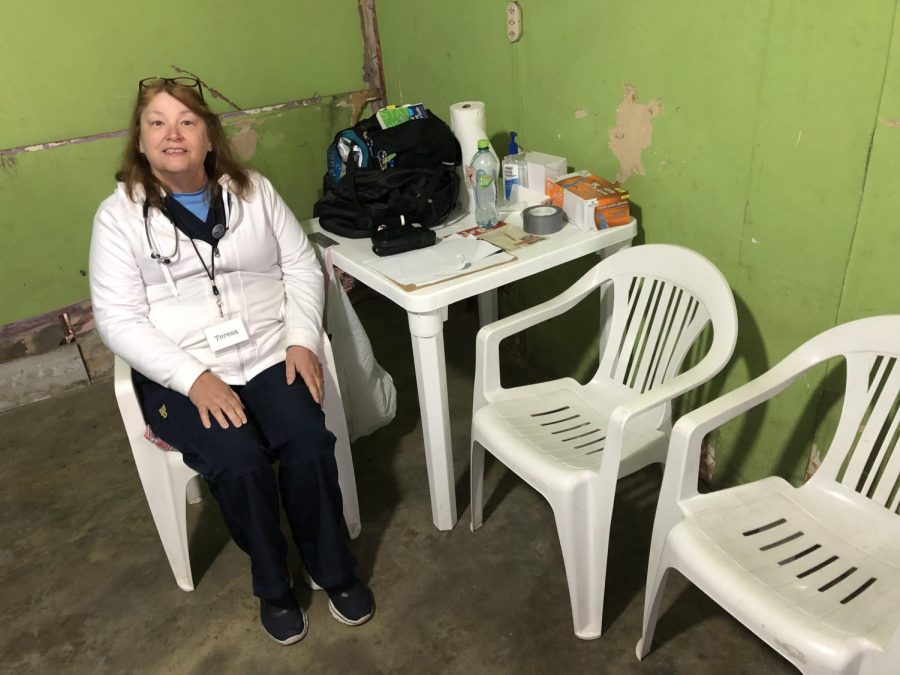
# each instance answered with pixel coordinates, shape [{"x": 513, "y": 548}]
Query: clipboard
[
  {"x": 507, "y": 258},
  {"x": 449, "y": 259}
]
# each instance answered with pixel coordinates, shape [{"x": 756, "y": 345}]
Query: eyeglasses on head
[{"x": 193, "y": 82}]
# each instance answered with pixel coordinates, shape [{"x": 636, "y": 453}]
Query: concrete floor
[{"x": 86, "y": 586}]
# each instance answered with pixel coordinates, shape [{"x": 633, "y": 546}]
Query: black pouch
[{"x": 393, "y": 240}]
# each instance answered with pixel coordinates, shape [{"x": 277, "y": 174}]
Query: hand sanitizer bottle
[{"x": 514, "y": 166}]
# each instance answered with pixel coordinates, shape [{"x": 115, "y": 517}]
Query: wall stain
[
  {"x": 814, "y": 462},
  {"x": 45, "y": 332},
  {"x": 357, "y": 101},
  {"x": 708, "y": 457},
  {"x": 8, "y": 165},
  {"x": 331, "y": 111},
  {"x": 633, "y": 132},
  {"x": 246, "y": 138},
  {"x": 894, "y": 124}
]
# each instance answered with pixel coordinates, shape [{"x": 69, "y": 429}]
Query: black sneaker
[
  {"x": 284, "y": 620},
  {"x": 351, "y": 604}
]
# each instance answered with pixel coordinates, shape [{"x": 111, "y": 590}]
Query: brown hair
[{"x": 135, "y": 169}]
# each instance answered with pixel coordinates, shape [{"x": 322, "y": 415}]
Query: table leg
[
  {"x": 487, "y": 307},
  {"x": 427, "y": 331}
]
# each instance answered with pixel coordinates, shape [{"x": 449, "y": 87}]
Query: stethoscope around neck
[{"x": 218, "y": 231}]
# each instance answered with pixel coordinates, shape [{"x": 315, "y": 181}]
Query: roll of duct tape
[{"x": 542, "y": 219}]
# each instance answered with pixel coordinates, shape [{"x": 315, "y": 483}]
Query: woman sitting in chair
[{"x": 202, "y": 280}]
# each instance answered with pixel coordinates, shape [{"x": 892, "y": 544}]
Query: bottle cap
[
  {"x": 513, "y": 146},
  {"x": 483, "y": 144}
]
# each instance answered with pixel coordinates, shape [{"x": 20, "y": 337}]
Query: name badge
[{"x": 226, "y": 334}]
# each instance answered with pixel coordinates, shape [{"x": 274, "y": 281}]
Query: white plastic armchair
[
  {"x": 572, "y": 442},
  {"x": 168, "y": 482},
  {"x": 814, "y": 571}
]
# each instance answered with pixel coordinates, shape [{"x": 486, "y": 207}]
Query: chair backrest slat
[
  {"x": 638, "y": 298},
  {"x": 869, "y": 429},
  {"x": 887, "y": 491},
  {"x": 657, "y": 322},
  {"x": 696, "y": 317},
  {"x": 880, "y": 428},
  {"x": 651, "y": 342},
  {"x": 673, "y": 321}
]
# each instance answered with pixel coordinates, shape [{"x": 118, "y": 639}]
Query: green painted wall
[
  {"x": 71, "y": 70},
  {"x": 775, "y": 154},
  {"x": 760, "y": 160}
]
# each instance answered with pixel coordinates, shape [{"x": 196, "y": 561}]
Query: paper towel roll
[{"x": 467, "y": 121}]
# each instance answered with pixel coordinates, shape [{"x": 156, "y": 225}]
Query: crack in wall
[
  {"x": 7, "y": 155},
  {"x": 845, "y": 289},
  {"x": 212, "y": 90},
  {"x": 373, "y": 67}
]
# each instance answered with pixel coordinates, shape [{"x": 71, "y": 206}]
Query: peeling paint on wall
[
  {"x": 633, "y": 132},
  {"x": 373, "y": 64},
  {"x": 7, "y": 153},
  {"x": 708, "y": 457},
  {"x": 356, "y": 99},
  {"x": 212, "y": 90},
  {"x": 45, "y": 332},
  {"x": 246, "y": 138},
  {"x": 814, "y": 462}
]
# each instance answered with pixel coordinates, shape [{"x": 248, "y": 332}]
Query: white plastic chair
[
  {"x": 572, "y": 442},
  {"x": 168, "y": 481},
  {"x": 814, "y": 571}
]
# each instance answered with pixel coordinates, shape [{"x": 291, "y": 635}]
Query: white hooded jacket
[{"x": 153, "y": 314}]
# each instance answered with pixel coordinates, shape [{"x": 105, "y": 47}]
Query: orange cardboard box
[{"x": 589, "y": 202}]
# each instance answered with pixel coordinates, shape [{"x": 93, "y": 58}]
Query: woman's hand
[
  {"x": 212, "y": 396},
  {"x": 303, "y": 362}
]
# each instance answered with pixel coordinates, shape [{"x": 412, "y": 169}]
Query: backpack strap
[
  {"x": 430, "y": 189},
  {"x": 350, "y": 177}
]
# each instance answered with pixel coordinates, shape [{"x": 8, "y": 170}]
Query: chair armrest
[
  {"x": 873, "y": 334},
  {"x": 709, "y": 366},
  {"x": 683, "y": 460},
  {"x": 720, "y": 352},
  {"x": 487, "y": 342}
]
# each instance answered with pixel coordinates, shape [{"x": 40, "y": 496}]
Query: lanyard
[{"x": 211, "y": 272}]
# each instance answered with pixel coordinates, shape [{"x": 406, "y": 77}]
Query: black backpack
[{"x": 386, "y": 177}]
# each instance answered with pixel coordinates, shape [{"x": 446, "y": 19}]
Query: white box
[
  {"x": 542, "y": 166},
  {"x": 588, "y": 201}
]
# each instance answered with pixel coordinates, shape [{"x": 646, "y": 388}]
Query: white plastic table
[{"x": 427, "y": 310}]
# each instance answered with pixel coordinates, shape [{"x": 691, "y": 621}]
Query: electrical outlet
[{"x": 513, "y": 22}]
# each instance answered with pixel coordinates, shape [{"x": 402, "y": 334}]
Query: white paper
[{"x": 448, "y": 258}]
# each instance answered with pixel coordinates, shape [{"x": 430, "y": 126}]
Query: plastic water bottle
[
  {"x": 515, "y": 168},
  {"x": 484, "y": 172}
]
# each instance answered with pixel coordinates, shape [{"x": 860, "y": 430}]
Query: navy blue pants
[{"x": 286, "y": 425}]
